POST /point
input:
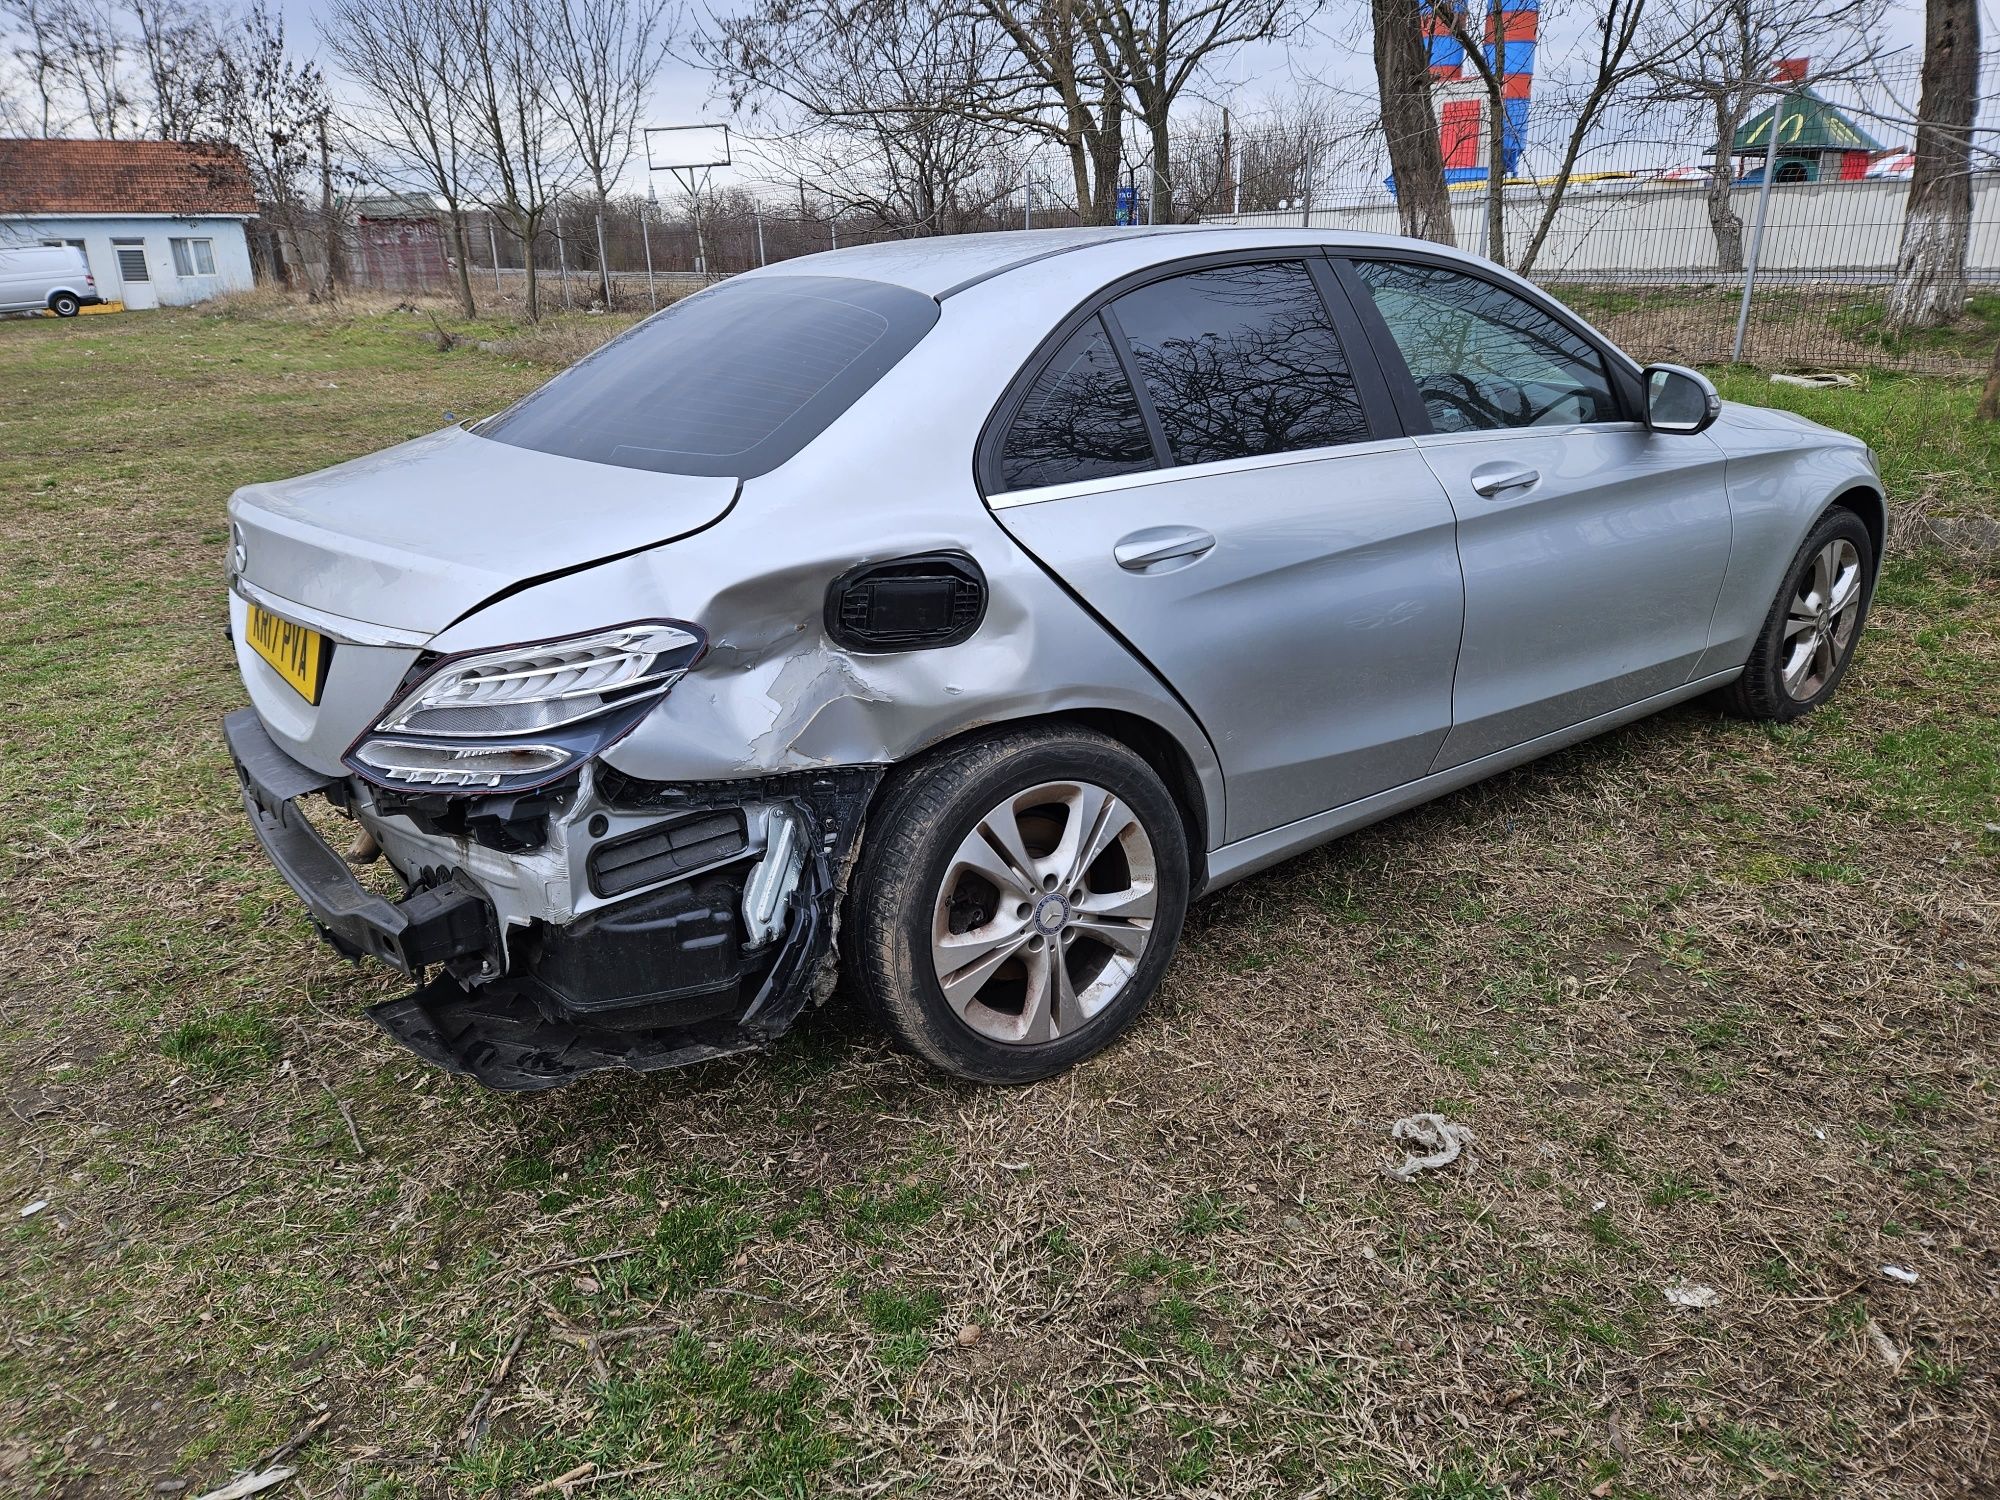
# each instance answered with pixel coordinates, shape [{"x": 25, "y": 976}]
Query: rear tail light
[{"x": 517, "y": 718}]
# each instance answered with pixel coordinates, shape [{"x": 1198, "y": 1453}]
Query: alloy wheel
[
  {"x": 1819, "y": 625},
  {"x": 1044, "y": 911}
]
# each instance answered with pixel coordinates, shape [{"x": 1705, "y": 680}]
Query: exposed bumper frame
[
  {"x": 509, "y": 1033},
  {"x": 435, "y": 925}
]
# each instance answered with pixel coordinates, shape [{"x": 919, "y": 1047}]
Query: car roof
[{"x": 939, "y": 265}]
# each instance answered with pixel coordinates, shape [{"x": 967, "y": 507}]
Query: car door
[
  {"x": 1204, "y": 466},
  {"x": 1593, "y": 549}
]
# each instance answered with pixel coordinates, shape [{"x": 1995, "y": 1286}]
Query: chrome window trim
[
  {"x": 1177, "y": 472},
  {"x": 336, "y": 628},
  {"x": 1494, "y": 434}
]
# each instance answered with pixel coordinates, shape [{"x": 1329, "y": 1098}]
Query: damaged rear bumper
[{"x": 720, "y": 960}]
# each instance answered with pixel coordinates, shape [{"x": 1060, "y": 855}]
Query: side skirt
[{"x": 1232, "y": 862}]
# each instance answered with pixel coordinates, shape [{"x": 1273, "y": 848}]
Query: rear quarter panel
[{"x": 892, "y": 476}]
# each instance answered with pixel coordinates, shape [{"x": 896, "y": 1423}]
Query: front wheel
[
  {"x": 1809, "y": 636},
  {"x": 1017, "y": 901}
]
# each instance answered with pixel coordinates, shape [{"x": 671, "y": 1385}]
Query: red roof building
[{"x": 158, "y": 221}]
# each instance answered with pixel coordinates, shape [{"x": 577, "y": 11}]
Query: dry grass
[{"x": 1718, "y": 1002}]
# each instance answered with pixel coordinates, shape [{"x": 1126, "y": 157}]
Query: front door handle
[
  {"x": 1151, "y": 550},
  {"x": 1496, "y": 479}
]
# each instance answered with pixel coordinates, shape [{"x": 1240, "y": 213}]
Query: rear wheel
[
  {"x": 1017, "y": 901},
  {"x": 63, "y": 305},
  {"x": 1809, "y": 636}
]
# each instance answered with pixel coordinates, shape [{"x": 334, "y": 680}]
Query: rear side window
[
  {"x": 1484, "y": 358},
  {"x": 732, "y": 381},
  {"x": 1240, "y": 361},
  {"x": 1079, "y": 419}
]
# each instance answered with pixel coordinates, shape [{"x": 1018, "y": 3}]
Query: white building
[{"x": 162, "y": 222}]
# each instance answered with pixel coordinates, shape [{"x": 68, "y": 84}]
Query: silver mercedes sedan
[{"x": 951, "y": 612}]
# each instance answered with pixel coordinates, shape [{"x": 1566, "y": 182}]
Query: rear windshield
[{"x": 731, "y": 381}]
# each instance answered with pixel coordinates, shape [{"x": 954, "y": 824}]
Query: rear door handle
[
  {"x": 1494, "y": 479},
  {"x": 1149, "y": 550}
]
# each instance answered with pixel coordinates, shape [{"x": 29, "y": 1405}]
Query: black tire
[
  {"x": 63, "y": 305},
  {"x": 926, "y": 812},
  {"x": 1761, "y": 693}
]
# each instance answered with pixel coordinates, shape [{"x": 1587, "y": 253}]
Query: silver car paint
[
  {"x": 414, "y": 536},
  {"x": 774, "y": 694},
  {"x": 1549, "y": 642},
  {"x": 1351, "y": 548}
]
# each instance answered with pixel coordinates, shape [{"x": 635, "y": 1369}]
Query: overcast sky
[{"x": 1334, "y": 51}]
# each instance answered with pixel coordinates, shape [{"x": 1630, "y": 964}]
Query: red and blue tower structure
[{"x": 1509, "y": 49}]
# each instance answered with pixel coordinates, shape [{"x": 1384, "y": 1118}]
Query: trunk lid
[{"x": 414, "y": 536}]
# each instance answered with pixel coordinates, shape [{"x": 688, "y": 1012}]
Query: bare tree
[
  {"x": 1297, "y": 139},
  {"x": 1622, "y": 49},
  {"x": 900, "y": 111},
  {"x": 1488, "y": 58},
  {"x": 1937, "y": 224},
  {"x": 1159, "y": 47},
  {"x": 177, "y": 47},
  {"x": 1080, "y": 103},
  {"x": 271, "y": 105},
  {"x": 36, "y": 48},
  {"x": 92, "y": 62},
  {"x": 1726, "y": 73},
  {"x": 1409, "y": 120},
  {"x": 604, "y": 54},
  {"x": 525, "y": 157},
  {"x": 416, "y": 83}
]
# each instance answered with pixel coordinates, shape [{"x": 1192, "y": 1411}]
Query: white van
[{"x": 53, "y": 276}]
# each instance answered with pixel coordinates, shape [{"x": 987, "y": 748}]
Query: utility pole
[
  {"x": 603, "y": 261},
  {"x": 1757, "y": 234},
  {"x": 646, "y": 239}
]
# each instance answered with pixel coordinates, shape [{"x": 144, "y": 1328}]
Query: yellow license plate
[{"x": 295, "y": 653}]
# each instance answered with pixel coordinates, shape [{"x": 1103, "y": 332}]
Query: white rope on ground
[{"x": 1442, "y": 1139}]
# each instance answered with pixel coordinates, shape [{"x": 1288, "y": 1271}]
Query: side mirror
[{"x": 1679, "y": 399}]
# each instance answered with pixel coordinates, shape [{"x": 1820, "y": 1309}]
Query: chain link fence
[
  {"x": 1649, "y": 234},
  {"x": 1654, "y": 235}
]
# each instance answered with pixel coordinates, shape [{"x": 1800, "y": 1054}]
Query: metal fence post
[
  {"x": 833, "y": 228},
  {"x": 758, "y": 215},
  {"x": 646, "y": 239},
  {"x": 603, "y": 263},
  {"x": 493, "y": 243},
  {"x": 1757, "y": 235},
  {"x": 562, "y": 267}
]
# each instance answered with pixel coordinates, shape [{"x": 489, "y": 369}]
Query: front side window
[
  {"x": 1079, "y": 419},
  {"x": 194, "y": 257},
  {"x": 731, "y": 381},
  {"x": 1240, "y": 361},
  {"x": 1484, "y": 358}
]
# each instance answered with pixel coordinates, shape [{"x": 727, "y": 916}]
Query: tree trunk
[
  {"x": 1937, "y": 224},
  {"x": 1989, "y": 399},
  {"x": 534, "y": 287},
  {"x": 465, "y": 302},
  {"x": 1722, "y": 220},
  {"x": 1403, "y": 84},
  {"x": 1107, "y": 154},
  {"x": 1163, "y": 188},
  {"x": 329, "y": 220},
  {"x": 1496, "y": 144}
]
